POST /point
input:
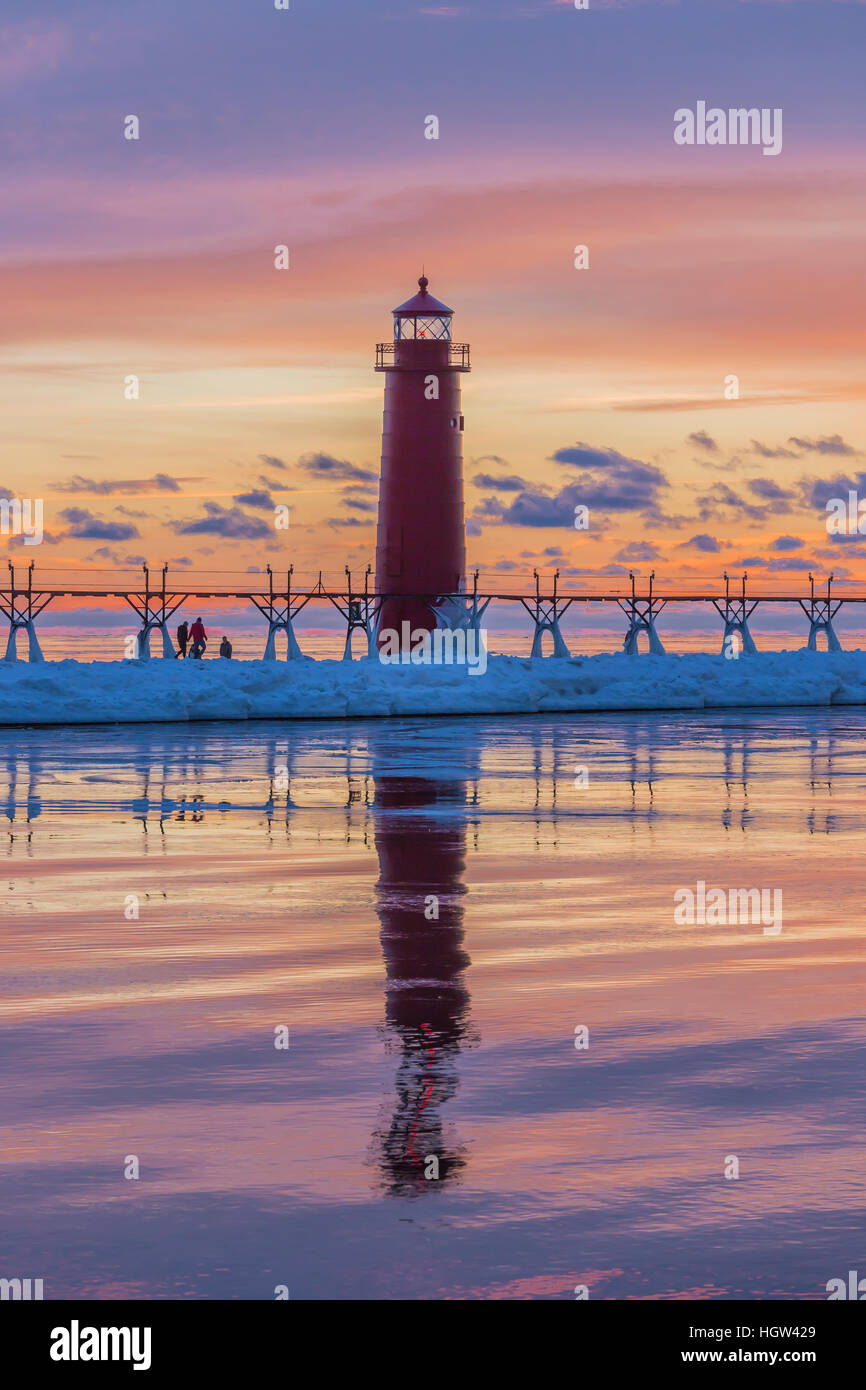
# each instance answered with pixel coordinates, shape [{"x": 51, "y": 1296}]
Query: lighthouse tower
[{"x": 421, "y": 542}]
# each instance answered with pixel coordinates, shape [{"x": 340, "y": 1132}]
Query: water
[{"x": 289, "y": 878}]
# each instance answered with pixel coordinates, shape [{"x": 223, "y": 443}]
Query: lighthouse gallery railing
[{"x": 458, "y": 357}]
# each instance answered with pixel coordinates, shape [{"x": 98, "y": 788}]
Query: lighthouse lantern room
[{"x": 422, "y": 316}]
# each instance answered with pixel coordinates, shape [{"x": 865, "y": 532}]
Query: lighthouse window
[
  {"x": 433, "y": 328},
  {"x": 438, "y": 328}
]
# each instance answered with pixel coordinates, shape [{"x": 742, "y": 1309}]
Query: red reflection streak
[{"x": 422, "y": 1105}]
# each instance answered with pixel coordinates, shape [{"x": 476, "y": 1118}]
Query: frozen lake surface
[{"x": 432, "y": 909}]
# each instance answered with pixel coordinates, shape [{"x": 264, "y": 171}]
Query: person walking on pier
[
  {"x": 182, "y": 638},
  {"x": 198, "y": 637},
  {"x": 225, "y": 647}
]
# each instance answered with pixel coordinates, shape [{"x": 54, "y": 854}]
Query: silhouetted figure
[
  {"x": 182, "y": 638},
  {"x": 225, "y": 647},
  {"x": 199, "y": 639}
]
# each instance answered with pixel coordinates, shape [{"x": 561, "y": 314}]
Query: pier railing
[{"x": 281, "y": 596}]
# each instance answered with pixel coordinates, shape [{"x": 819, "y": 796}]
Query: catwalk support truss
[{"x": 22, "y": 600}]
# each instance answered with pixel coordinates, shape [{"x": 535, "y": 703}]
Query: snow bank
[{"x": 72, "y": 692}]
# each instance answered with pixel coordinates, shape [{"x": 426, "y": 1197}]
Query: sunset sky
[{"x": 604, "y": 386}]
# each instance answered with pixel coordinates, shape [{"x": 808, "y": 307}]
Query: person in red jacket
[{"x": 198, "y": 637}]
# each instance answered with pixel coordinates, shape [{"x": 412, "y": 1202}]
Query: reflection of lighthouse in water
[{"x": 421, "y": 861}]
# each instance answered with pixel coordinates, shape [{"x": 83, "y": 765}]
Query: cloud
[
  {"x": 362, "y": 489},
  {"x": 539, "y": 508},
  {"x": 702, "y": 440},
  {"x": 611, "y": 482},
  {"x": 708, "y": 544},
  {"x": 767, "y": 453},
  {"x": 48, "y": 538},
  {"x": 729, "y": 465},
  {"x": 723, "y": 496},
  {"x": 358, "y": 501},
  {"x": 847, "y": 539},
  {"x": 509, "y": 483},
  {"x": 84, "y": 526},
  {"x": 262, "y": 500},
  {"x": 160, "y": 482},
  {"x": 348, "y": 521},
  {"x": 787, "y": 543},
  {"x": 273, "y": 484},
  {"x": 488, "y": 507},
  {"x": 769, "y": 490},
  {"x": 326, "y": 466},
  {"x": 636, "y": 551},
  {"x": 831, "y": 444},
  {"x": 791, "y": 564},
  {"x": 817, "y": 492},
  {"x": 605, "y": 571},
  {"x": 586, "y": 456},
  {"x": 231, "y": 523},
  {"x": 127, "y": 511},
  {"x": 748, "y": 285},
  {"x": 104, "y": 552},
  {"x": 854, "y": 547},
  {"x": 271, "y": 461},
  {"x": 775, "y": 566}
]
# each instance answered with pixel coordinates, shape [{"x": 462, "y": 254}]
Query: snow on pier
[{"x": 72, "y": 692}]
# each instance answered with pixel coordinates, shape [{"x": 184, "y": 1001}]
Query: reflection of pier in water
[
  {"x": 821, "y": 752},
  {"x": 182, "y": 780},
  {"x": 177, "y": 783},
  {"x": 642, "y": 775},
  {"x": 736, "y": 751},
  {"x": 22, "y": 802}
]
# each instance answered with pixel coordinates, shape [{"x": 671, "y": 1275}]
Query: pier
[{"x": 27, "y": 593}]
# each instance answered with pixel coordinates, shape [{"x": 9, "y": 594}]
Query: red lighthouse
[{"x": 421, "y": 542}]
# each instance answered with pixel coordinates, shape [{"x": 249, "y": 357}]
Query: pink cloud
[{"x": 740, "y": 272}]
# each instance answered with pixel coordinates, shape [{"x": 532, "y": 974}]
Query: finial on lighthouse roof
[{"x": 422, "y": 303}]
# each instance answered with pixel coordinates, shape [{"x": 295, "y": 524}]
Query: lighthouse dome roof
[{"x": 422, "y": 303}]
